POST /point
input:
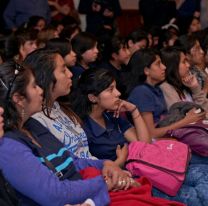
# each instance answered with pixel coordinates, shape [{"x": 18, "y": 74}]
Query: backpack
[
  {"x": 7, "y": 193},
  {"x": 163, "y": 162}
]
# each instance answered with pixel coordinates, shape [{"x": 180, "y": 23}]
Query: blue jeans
[
  {"x": 194, "y": 191},
  {"x": 197, "y": 159}
]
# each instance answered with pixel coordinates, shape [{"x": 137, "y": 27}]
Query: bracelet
[
  {"x": 136, "y": 116},
  {"x": 135, "y": 108}
]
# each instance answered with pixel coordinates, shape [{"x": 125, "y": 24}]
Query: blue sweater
[{"x": 38, "y": 185}]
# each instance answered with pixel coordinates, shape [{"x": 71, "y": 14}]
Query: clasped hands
[{"x": 116, "y": 178}]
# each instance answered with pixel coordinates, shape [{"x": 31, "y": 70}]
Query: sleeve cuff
[{"x": 90, "y": 202}]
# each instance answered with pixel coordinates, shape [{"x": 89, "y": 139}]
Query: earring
[
  {"x": 23, "y": 113},
  {"x": 94, "y": 101}
]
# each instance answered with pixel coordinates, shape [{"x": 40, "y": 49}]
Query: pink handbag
[{"x": 163, "y": 162}]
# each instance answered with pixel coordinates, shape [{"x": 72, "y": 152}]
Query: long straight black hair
[
  {"x": 43, "y": 64},
  {"x": 170, "y": 57}
]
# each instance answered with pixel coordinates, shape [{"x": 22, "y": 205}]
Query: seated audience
[
  {"x": 20, "y": 44},
  {"x": 194, "y": 25},
  {"x": 180, "y": 84},
  {"x": 63, "y": 46},
  {"x": 115, "y": 57},
  {"x": 70, "y": 29},
  {"x": 45, "y": 35},
  {"x": 27, "y": 152},
  {"x": 167, "y": 38},
  {"x": 56, "y": 114},
  {"x": 98, "y": 103},
  {"x": 136, "y": 40},
  {"x": 147, "y": 71},
  {"x": 36, "y": 22},
  {"x": 196, "y": 58},
  {"x": 186, "y": 9},
  {"x": 85, "y": 46}
]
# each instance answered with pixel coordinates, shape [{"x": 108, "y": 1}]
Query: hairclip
[
  {"x": 171, "y": 24},
  {"x": 16, "y": 72},
  {"x": 2, "y": 82}
]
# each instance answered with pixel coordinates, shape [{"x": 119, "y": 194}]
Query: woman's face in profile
[
  {"x": 70, "y": 59},
  {"x": 1, "y": 122},
  {"x": 184, "y": 66},
  {"x": 108, "y": 99}
]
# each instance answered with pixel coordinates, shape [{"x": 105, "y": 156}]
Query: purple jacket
[{"x": 37, "y": 185}]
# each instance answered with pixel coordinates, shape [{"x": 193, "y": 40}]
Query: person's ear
[
  {"x": 18, "y": 100},
  {"x": 114, "y": 56},
  {"x": 146, "y": 71},
  {"x": 189, "y": 56},
  {"x": 165, "y": 44},
  {"x": 130, "y": 43},
  {"x": 21, "y": 50},
  {"x": 92, "y": 98}
]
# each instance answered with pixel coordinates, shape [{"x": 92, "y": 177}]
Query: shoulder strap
[{"x": 36, "y": 150}]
